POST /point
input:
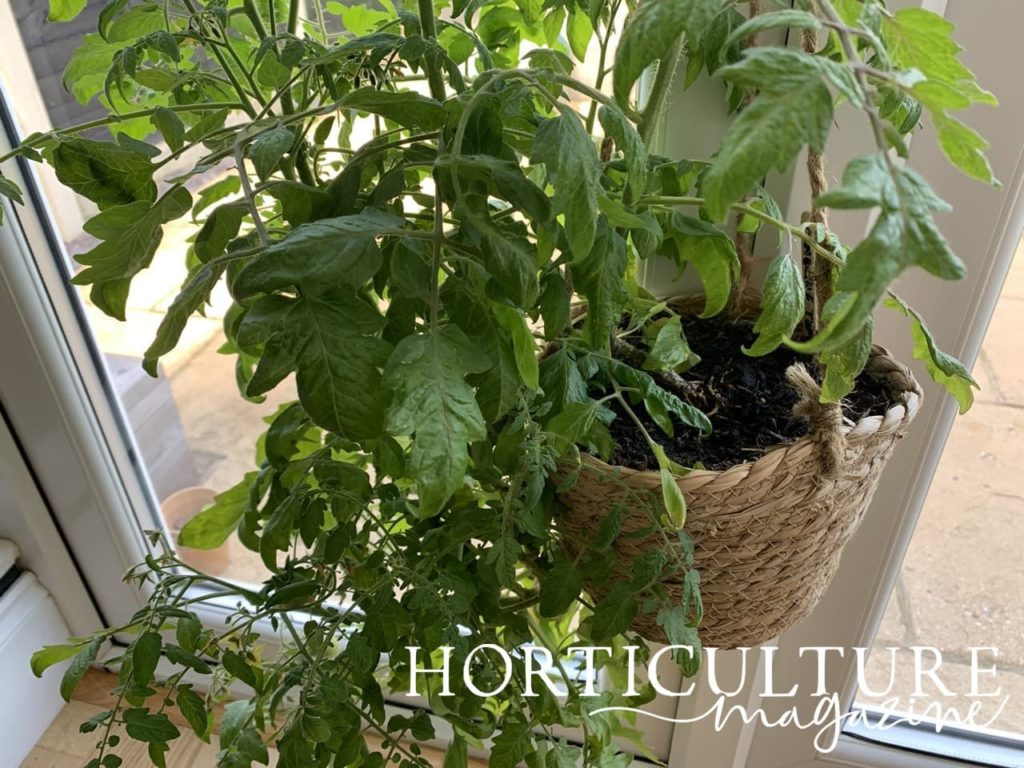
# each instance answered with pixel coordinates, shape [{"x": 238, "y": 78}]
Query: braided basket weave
[{"x": 767, "y": 534}]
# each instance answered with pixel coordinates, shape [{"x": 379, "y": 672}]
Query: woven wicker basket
[{"x": 767, "y": 534}]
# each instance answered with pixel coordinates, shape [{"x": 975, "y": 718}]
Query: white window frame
[{"x": 958, "y": 314}]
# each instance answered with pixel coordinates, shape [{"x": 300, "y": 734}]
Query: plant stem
[
  {"x": 655, "y": 102},
  {"x": 293, "y": 16},
  {"x": 243, "y": 177},
  {"x": 437, "y": 89}
]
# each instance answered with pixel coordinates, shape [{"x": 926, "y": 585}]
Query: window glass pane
[
  {"x": 194, "y": 432},
  {"x": 962, "y": 584}
]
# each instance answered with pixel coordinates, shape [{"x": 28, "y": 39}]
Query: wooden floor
[{"x": 62, "y": 746}]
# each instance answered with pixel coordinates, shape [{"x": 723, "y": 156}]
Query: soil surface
[{"x": 748, "y": 400}]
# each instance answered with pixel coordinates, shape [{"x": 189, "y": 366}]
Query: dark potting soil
[{"x": 748, "y": 400}]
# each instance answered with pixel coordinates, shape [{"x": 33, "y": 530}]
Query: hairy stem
[{"x": 655, "y": 103}]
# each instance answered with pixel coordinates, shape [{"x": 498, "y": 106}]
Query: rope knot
[{"x": 825, "y": 419}]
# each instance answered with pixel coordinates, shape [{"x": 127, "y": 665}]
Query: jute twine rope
[{"x": 768, "y": 533}]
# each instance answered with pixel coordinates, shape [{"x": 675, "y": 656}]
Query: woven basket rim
[{"x": 895, "y": 419}]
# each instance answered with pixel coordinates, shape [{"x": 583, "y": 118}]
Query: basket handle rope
[{"x": 825, "y": 419}]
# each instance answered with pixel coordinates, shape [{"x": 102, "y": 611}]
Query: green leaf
[
  {"x": 131, "y": 234},
  {"x": 943, "y": 368},
  {"x": 712, "y": 252},
  {"x": 844, "y": 363},
  {"x": 514, "y": 322},
  {"x": 457, "y": 754},
  {"x": 109, "y": 174},
  {"x": 406, "y": 108},
  {"x": 614, "y": 614},
  {"x": 219, "y": 229},
  {"x": 331, "y": 343},
  {"x": 145, "y": 652},
  {"x": 672, "y": 498},
  {"x": 649, "y": 34},
  {"x": 319, "y": 255},
  {"x": 675, "y": 622},
  {"x": 563, "y": 145},
  {"x": 579, "y": 33},
  {"x": 187, "y": 632},
  {"x": 86, "y": 71},
  {"x": 576, "y": 423},
  {"x": 433, "y": 403},
  {"x": 267, "y": 150},
  {"x": 143, "y": 725},
  {"x": 65, "y": 10},
  {"x": 11, "y": 191},
  {"x": 49, "y": 655},
  {"x": 211, "y": 527},
  {"x": 659, "y": 402},
  {"x": 170, "y": 126},
  {"x": 904, "y": 235},
  {"x": 628, "y": 141},
  {"x": 509, "y": 260},
  {"x": 554, "y": 305},
  {"x": 561, "y": 380},
  {"x": 920, "y": 39},
  {"x": 768, "y": 134},
  {"x": 236, "y": 715},
  {"x": 81, "y": 662},
  {"x": 669, "y": 349},
  {"x": 782, "y": 306},
  {"x": 599, "y": 277},
  {"x": 779, "y": 70},
  {"x": 964, "y": 148},
  {"x": 559, "y": 589},
  {"x": 193, "y": 296},
  {"x": 229, "y": 185},
  {"x": 789, "y": 19},
  {"x": 504, "y": 554}
]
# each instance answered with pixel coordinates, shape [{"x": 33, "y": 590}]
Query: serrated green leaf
[
  {"x": 782, "y": 306},
  {"x": 131, "y": 234},
  {"x": 403, "y": 107},
  {"x": 614, "y": 614},
  {"x": 920, "y": 39},
  {"x": 575, "y": 423},
  {"x": 904, "y": 235},
  {"x": 943, "y": 368},
  {"x": 779, "y": 70},
  {"x": 659, "y": 402},
  {"x": 649, "y": 34},
  {"x": 109, "y": 174},
  {"x": 319, "y": 255},
  {"x": 559, "y": 589},
  {"x": 964, "y": 148},
  {"x": 768, "y": 134},
  {"x": 599, "y": 278},
  {"x": 433, "y": 403},
  {"x": 268, "y": 149},
  {"x": 563, "y": 145},
  {"x": 579, "y": 32},
  {"x": 330, "y": 342}
]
